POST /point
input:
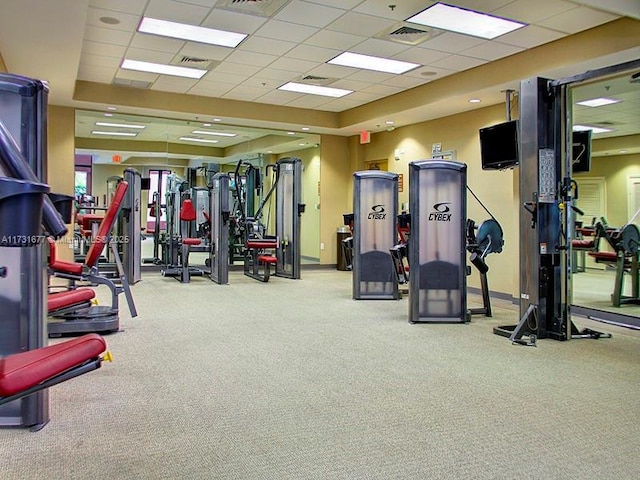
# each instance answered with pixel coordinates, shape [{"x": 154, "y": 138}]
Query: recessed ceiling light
[
  {"x": 183, "y": 31},
  {"x": 389, "y": 122},
  {"x": 582, "y": 128},
  {"x": 367, "y": 62},
  {"x": 598, "y": 102},
  {"x": 315, "y": 89},
  {"x": 115, "y": 134},
  {"x": 291, "y": 133},
  {"x": 219, "y": 134},
  {"x": 474, "y": 100},
  {"x": 119, "y": 125},
  {"x": 111, "y": 108},
  {"x": 623, "y": 151},
  {"x": 305, "y": 128},
  {"x": 110, "y": 20},
  {"x": 217, "y": 119},
  {"x": 461, "y": 20},
  {"x": 162, "y": 69},
  {"x": 206, "y": 124},
  {"x": 200, "y": 140}
]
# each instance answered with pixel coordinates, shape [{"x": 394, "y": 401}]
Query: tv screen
[
  {"x": 499, "y": 146},
  {"x": 581, "y": 151}
]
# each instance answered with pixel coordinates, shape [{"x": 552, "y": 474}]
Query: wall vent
[{"x": 264, "y": 8}]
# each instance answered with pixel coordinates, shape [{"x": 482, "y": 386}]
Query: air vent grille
[
  {"x": 264, "y": 8},
  {"x": 315, "y": 80},
  {"x": 408, "y": 34}
]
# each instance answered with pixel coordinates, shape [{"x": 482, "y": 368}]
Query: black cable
[{"x": 481, "y": 204}]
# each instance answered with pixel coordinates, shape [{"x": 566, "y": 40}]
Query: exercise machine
[
  {"x": 131, "y": 239},
  {"x": 219, "y": 208},
  {"x": 94, "y": 318},
  {"x": 281, "y": 251},
  {"x": 24, "y": 206},
  {"x": 375, "y": 205},
  {"x": 546, "y": 215},
  {"x": 438, "y": 272}
]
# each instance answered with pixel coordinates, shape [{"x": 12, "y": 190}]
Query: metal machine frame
[{"x": 219, "y": 208}]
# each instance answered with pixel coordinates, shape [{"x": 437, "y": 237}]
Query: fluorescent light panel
[
  {"x": 119, "y": 125},
  {"x": 200, "y": 140},
  {"x": 314, "y": 89},
  {"x": 162, "y": 69},
  {"x": 582, "y": 128},
  {"x": 219, "y": 134},
  {"x": 115, "y": 134},
  {"x": 468, "y": 22},
  {"x": 192, "y": 33},
  {"x": 367, "y": 62},
  {"x": 598, "y": 102}
]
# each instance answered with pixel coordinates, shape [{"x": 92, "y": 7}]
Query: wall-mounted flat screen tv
[
  {"x": 581, "y": 151},
  {"x": 499, "y": 146}
]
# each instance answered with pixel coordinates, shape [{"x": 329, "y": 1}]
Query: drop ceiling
[{"x": 290, "y": 40}]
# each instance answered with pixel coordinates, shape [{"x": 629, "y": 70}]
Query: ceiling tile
[
  {"x": 222, "y": 77},
  {"x": 331, "y": 71},
  {"x": 423, "y": 56},
  {"x": 233, "y": 21},
  {"x": 344, "y": 4},
  {"x": 92, "y": 73},
  {"x": 458, "y": 63},
  {"x": 149, "y": 55},
  {"x": 577, "y": 20},
  {"x": 401, "y": 11},
  {"x": 105, "y": 35},
  {"x": 251, "y": 58},
  {"x": 382, "y": 89},
  {"x": 155, "y": 42},
  {"x": 125, "y": 6},
  {"x": 270, "y": 75},
  {"x": 176, "y": 11},
  {"x": 451, "y": 42},
  {"x": 311, "y": 53},
  {"x": 379, "y": 48},
  {"x": 532, "y": 12},
  {"x": 265, "y": 45},
  {"x": 293, "y": 65},
  {"x": 370, "y": 76},
  {"x": 348, "y": 84},
  {"x": 359, "y": 24},
  {"x": 135, "y": 75},
  {"x": 103, "y": 49},
  {"x": 173, "y": 84},
  {"x": 333, "y": 39},
  {"x": 629, "y": 8},
  {"x": 291, "y": 32},
  {"x": 530, "y": 37},
  {"x": 486, "y": 6},
  {"x": 238, "y": 69},
  {"x": 308, "y": 14},
  {"x": 279, "y": 97},
  {"x": 99, "y": 60},
  {"x": 405, "y": 81},
  {"x": 245, "y": 93},
  {"x": 492, "y": 51},
  {"x": 308, "y": 101}
]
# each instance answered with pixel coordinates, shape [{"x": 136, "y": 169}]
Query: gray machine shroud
[{"x": 437, "y": 255}]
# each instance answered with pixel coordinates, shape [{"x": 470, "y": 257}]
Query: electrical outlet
[{"x": 321, "y": 246}]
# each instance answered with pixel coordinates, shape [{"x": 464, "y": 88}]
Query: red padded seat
[
  {"x": 24, "y": 370},
  {"x": 73, "y": 268},
  {"x": 267, "y": 259},
  {"x": 262, "y": 244},
  {"x": 604, "y": 256},
  {"x": 583, "y": 244},
  {"x": 191, "y": 241},
  {"x": 68, "y": 298}
]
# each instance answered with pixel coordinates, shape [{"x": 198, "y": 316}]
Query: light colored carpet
[{"x": 293, "y": 379}]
